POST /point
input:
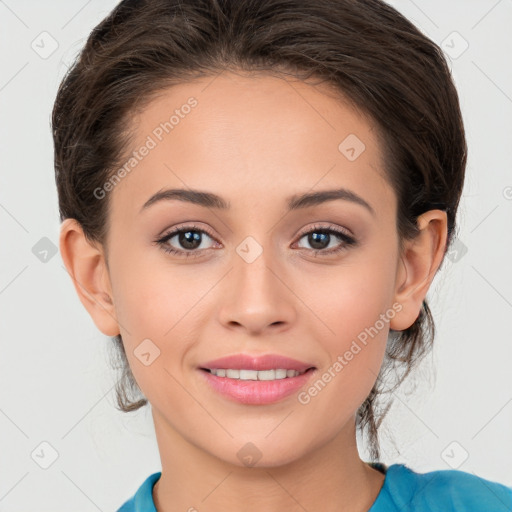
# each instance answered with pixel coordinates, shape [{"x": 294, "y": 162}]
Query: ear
[
  {"x": 418, "y": 265},
  {"x": 85, "y": 263}
]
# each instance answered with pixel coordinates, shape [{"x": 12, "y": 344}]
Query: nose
[{"x": 256, "y": 296}]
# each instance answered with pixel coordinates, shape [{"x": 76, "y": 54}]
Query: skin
[{"x": 286, "y": 301}]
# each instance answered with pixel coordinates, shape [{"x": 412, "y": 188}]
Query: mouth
[
  {"x": 256, "y": 379},
  {"x": 256, "y": 387}
]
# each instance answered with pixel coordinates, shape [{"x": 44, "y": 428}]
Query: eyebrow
[{"x": 295, "y": 202}]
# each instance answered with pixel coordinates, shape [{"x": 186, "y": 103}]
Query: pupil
[
  {"x": 317, "y": 240},
  {"x": 188, "y": 239}
]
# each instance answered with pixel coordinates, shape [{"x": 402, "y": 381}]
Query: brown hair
[{"x": 378, "y": 60}]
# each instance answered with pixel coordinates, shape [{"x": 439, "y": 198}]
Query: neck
[{"x": 331, "y": 478}]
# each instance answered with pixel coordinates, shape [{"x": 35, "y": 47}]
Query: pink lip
[
  {"x": 256, "y": 392},
  {"x": 265, "y": 362}
]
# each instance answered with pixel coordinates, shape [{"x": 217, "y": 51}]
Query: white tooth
[
  {"x": 232, "y": 374},
  {"x": 276, "y": 374},
  {"x": 248, "y": 375},
  {"x": 266, "y": 375},
  {"x": 280, "y": 374}
]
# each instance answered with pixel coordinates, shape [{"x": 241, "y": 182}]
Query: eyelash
[{"x": 348, "y": 241}]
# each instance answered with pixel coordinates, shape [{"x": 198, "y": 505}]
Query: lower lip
[{"x": 257, "y": 392}]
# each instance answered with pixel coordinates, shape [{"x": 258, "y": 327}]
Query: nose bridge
[
  {"x": 256, "y": 296},
  {"x": 251, "y": 273}
]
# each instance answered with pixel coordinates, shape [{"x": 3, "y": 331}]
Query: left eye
[{"x": 320, "y": 238}]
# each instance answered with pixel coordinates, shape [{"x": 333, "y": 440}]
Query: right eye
[{"x": 190, "y": 238}]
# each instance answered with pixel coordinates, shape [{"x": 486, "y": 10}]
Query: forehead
[{"x": 268, "y": 136}]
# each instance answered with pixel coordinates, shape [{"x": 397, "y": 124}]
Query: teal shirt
[{"x": 446, "y": 490}]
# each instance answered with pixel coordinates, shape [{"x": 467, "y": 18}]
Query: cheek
[
  {"x": 357, "y": 310},
  {"x": 150, "y": 304},
  {"x": 160, "y": 305},
  {"x": 160, "y": 302},
  {"x": 353, "y": 298},
  {"x": 356, "y": 305}
]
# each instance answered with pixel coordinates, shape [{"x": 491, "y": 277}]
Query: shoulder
[
  {"x": 445, "y": 490},
  {"x": 142, "y": 500}
]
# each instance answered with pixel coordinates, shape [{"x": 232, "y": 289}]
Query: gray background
[{"x": 57, "y": 386}]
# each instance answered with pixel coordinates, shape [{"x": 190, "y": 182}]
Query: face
[{"x": 315, "y": 282}]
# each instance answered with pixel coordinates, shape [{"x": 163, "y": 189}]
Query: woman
[{"x": 256, "y": 197}]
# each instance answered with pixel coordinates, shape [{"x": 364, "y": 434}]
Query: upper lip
[{"x": 264, "y": 362}]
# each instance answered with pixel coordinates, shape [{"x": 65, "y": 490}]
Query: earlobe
[
  {"x": 85, "y": 263},
  {"x": 418, "y": 265}
]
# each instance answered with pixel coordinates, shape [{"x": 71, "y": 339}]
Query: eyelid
[
  {"x": 332, "y": 227},
  {"x": 192, "y": 225},
  {"x": 172, "y": 232}
]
